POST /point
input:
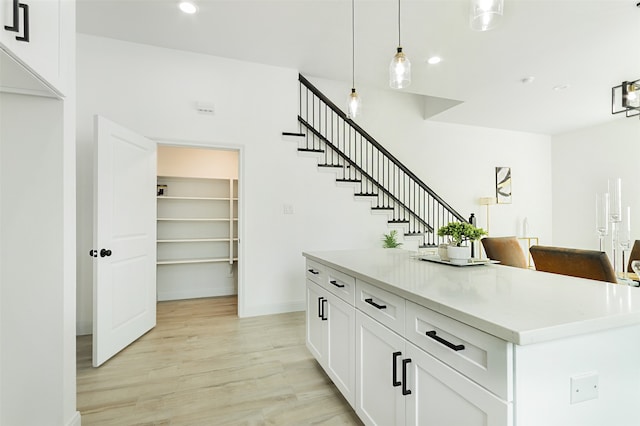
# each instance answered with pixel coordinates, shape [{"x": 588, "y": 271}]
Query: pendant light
[
  {"x": 485, "y": 14},
  {"x": 400, "y": 67},
  {"x": 353, "y": 101}
]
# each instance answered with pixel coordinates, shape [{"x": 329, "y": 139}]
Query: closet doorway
[{"x": 197, "y": 222}]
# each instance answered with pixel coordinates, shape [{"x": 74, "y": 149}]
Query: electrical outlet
[
  {"x": 288, "y": 209},
  {"x": 584, "y": 387}
]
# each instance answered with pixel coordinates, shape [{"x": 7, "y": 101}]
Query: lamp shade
[
  {"x": 400, "y": 71},
  {"x": 485, "y": 14},
  {"x": 487, "y": 201}
]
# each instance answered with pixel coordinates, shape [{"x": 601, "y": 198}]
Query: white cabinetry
[
  {"x": 197, "y": 226},
  {"x": 46, "y": 23},
  {"x": 412, "y": 365},
  {"x": 331, "y": 333}
]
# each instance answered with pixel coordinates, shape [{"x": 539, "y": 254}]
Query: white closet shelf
[
  {"x": 195, "y": 240},
  {"x": 191, "y": 219},
  {"x": 165, "y": 197},
  {"x": 191, "y": 261}
]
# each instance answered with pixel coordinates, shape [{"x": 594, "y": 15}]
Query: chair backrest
[
  {"x": 589, "y": 264},
  {"x": 634, "y": 255},
  {"x": 507, "y": 250}
]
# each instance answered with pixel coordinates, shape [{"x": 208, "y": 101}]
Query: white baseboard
[
  {"x": 273, "y": 308},
  {"x": 75, "y": 420},
  {"x": 226, "y": 290},
  {"x": 83, "y": 328}
]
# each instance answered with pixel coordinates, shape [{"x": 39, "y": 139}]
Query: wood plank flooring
[{"x": 202, "y": 365}]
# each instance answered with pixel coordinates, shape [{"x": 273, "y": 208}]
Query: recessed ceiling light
[
  {"x": 434, "y": 60},
  {"x": 188, "y": 7},
  {"x": 527, "y": 80}
]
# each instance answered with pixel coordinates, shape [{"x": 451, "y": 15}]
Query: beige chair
[
  {"x": 590, "y": 264},
  {"x": 634, "y": 255},
  {"x": 507, "y": 250}
]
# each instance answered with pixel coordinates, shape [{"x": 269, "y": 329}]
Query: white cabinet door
[
  {"x": 316, "y": 335},
  {"x": 379, "y": 360},
  {"x": 40, "y": 20},
  {"x": 440, "y": 396},
  {"x": 341, "y": 349}
]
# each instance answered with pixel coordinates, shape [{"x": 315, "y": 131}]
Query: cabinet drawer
[
  {"x": 315, "y": 272},
  {"x": 384, "y": 307},
  {"x": 481, "y": 357},
  {"x": 340, "y": 284}
]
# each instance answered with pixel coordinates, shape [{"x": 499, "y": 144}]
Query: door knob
[
  {"x": 105, "y": 252},
  {"x": 93, "y": 253}
]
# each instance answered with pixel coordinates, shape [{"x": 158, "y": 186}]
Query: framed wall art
[{"x": 503, "y": 185}]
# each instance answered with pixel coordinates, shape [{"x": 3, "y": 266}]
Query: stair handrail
[{"x": 378, "y": 146}]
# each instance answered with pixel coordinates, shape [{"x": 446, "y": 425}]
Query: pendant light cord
[
  {"x": 353, "y": 45},
  {"x": 399, "y": 44}
]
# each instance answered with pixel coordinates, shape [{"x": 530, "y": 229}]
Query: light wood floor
[{"x": 202, "y": 365}]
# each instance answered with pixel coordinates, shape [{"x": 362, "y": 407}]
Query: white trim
[
  {"x": 277, "y": 308},
  {"x": 225, "y": 290},
  {"x": 76, "y": 420}
]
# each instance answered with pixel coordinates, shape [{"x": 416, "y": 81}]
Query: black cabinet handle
[
  {"x": 313, "y": 272},
  {"x": 16, "y": 20},
  {"x": 372, "y": 303},
  {"x": 334, "y": 282},
  {"x": 320, "y": 299},
  {"x": 105, "y": 253},
  {"x": 394, "y": 362},
  {"x": 439, "y": 339},
  {"x": 324, "y": 318},
  {"x": 405, "y": 391}
]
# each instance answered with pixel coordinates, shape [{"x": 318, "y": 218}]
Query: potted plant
[
  {"x": 459, "y": 233},
  {"x": 390, "y": 240}
]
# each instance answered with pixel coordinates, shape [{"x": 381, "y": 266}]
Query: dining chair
[
  {"x": 506, "y": 250},
  {"x": 590, "y": 264},
  {"x": 634, "y": 255}
]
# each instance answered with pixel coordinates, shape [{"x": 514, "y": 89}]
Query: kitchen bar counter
[{"x": 517, "y": 305}]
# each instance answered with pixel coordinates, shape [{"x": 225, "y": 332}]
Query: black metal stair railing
[{"x": 363, "y": 161}]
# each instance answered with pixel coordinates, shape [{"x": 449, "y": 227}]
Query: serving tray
[{"x": 470, "y": 262}]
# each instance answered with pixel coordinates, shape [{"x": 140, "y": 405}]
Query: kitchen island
[{"x": 414, "y": 342}]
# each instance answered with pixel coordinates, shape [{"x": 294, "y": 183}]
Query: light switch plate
[{"x": 584, "y": 387}]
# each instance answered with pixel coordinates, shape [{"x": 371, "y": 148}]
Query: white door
[{"x": 124, "y": 277}]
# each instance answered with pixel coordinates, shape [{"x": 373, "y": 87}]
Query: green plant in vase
[
  {"x": 390, "y": 240},
  {"x": 459, "y": 232}
]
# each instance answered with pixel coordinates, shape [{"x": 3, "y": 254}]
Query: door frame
[{"x": 181, "y": 143}]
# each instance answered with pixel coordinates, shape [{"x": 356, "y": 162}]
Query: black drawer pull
[
  {"x": 405, "y": 391},
  {"x": 372, "y": 303},
  {"x": 334, "y": 282},
  {"x": 313, "y": 272},
  {"x": 439, "y": 339},
  {"x": 394, "y": 362}
]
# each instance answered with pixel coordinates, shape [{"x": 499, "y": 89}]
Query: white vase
[
  {"x": 459, "y": 254},
  {"x": 442, "y": 251}
]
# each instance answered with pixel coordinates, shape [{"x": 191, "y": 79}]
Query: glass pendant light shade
[
  {"x": 485, "y": 14},
  {"x": 399, "y": 71},
  {"x": 353, "y": 104}
]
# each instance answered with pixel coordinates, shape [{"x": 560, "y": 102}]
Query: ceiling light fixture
[
  {"x": 188, "y": 7},
  {"x": 626, "y": 98},
  {"x": 434, "y": 60},
  {"x": 400, "y": 67},
  {"x": 353, "y": 101},
  {"x": 485, "y": 14}
]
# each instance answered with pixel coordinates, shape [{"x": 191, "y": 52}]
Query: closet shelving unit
[{"x": 197, "y": 221}]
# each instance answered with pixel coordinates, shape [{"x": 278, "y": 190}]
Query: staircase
[{"x": 377, "y": 175}]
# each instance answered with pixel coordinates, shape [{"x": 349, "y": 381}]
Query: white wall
[
  {"x": 458, "y": 162},
  {"x": 197, "y": 163},
  {"x": 153, "y": 91},
  {"x": 583, "y": 161}
]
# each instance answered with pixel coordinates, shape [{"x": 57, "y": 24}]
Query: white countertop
[{"x": 518, "y": 305}]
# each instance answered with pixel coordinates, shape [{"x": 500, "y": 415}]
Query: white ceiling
[{"x": 587, "y": 45}]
